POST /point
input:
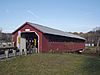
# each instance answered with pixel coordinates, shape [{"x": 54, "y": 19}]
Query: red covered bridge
[{"x": 46, "y": 39}]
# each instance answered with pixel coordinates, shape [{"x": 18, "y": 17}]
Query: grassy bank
[
  {"x": 91, "y": 51},
  {"x": 51, "y": 64}
]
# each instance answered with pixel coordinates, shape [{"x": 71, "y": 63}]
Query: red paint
[
  {"x": 22, "y": 29},
  {"x": 45, "y": 45},
  {"x": 66, "y": 46}
]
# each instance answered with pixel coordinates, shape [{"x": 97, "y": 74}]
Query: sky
[{"x": 65, "y": 15}]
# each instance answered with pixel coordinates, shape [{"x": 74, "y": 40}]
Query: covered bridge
[{"x": 46, "y": 39}]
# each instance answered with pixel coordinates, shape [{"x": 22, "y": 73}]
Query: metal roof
[{"x": 48, "y": 30}]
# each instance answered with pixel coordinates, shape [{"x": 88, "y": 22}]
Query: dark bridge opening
[{"x": 31, "y": 37}]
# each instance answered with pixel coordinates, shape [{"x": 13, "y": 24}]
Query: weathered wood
[
  {"x": 14, "y": 52},
  {"x": 7, "y": 53},
  {"x": 5, "y": 48}
]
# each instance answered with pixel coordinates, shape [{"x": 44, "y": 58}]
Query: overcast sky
[{"x": 66, "y": 15}]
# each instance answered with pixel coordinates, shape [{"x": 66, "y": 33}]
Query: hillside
[
  {"x": 5, "y": 37},
  {"x": 51, "y": 64},
  {"x": 92, "y": 37}
]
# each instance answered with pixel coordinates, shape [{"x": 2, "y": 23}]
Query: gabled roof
[{"x": 48, "y": 30}]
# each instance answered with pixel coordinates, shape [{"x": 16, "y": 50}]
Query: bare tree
[
  {"x": 98, "y": 46},
  {"x": 0, "y": 33}
]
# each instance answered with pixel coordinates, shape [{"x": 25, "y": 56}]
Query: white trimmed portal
[{"x": 25, "y": 38}]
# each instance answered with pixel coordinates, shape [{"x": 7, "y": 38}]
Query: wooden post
[
  {"x": 14, "y": 52},
  {"x": 25, "y": 51},
  {"x": 7, "y": 53},
  {"x": 21, "y": 52},
  {"x": 36, "y": 50}
]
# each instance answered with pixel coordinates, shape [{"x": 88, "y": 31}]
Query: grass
[
  {"x": 90, "y": 50},
  {"x": 51, "y": 64}
]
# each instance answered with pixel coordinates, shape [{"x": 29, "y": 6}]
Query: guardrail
[
  {"x": 9, "y": 46},
  {"x": 6, "y": 44},
  {"x": 6, "y": 47}
]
